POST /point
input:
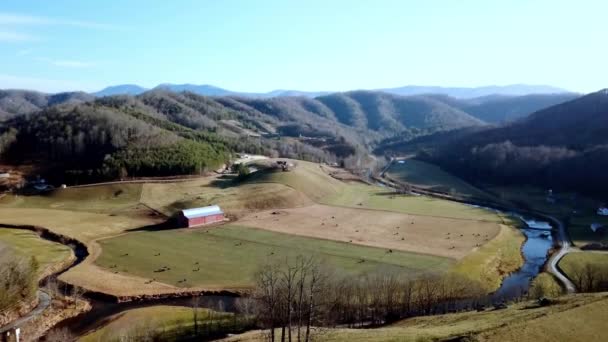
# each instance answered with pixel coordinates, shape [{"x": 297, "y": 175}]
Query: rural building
[
  {"x": 602, "y": 211},
  {"x": 200, "y": 216}
]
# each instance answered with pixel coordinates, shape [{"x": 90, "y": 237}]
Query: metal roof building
[{"x": 200, "y": 216}]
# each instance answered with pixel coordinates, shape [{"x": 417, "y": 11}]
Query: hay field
[
  {"x": 228, "y": 256},
  {"x": 452, "y": 238}
]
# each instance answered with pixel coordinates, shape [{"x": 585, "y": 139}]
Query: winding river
[{"x": 535, "y": 252}]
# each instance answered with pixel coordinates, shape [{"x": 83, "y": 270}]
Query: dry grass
[
  {"x": 494, "y": 260},
  {"x": 572, "y": 318},
  {"x": 421, "y": 234},
  {"x": 27, "y": 244},
  {"x": 143, "y": 320},
  {"x": 235, "y": 200}
]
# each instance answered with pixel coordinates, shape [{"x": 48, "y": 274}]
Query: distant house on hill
[
  {"x": 602, "y": 211},
  {"x": 200, "y": 216}
]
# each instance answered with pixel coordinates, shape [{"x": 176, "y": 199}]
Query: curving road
[
  {"x": 44, "y": 300},
  {"x": 564, "y": 249}
]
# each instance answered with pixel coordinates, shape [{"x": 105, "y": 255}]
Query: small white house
[{"x": 602, "y": 211}]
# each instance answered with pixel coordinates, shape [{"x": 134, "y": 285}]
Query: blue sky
[{"x": 307, "y": 45}]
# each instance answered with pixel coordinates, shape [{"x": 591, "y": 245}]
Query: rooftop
[{"x": 203, "y": 211}]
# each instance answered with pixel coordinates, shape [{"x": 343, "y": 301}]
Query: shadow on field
[
  {"x": 225, "y": 181},
  {"x": 171, "y": 223}
]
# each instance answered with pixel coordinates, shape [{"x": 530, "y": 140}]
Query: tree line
[
  {"x": 296, "y": 298},
  {"x": 18, "y": 278}
]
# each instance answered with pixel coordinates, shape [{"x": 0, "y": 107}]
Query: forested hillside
[
  {"x": 501, "y": 109},
  {"x": 161, "y": 132},
  {"x": 17, "y": 102},
  {"x": 562, "y": 147}
]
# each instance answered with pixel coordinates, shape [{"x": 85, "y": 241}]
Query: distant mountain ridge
[
  {"x": 473, "y": 92},
  {"x": 456, "y": 92},
  {"x": 564, "y": 146},
  {"x": 18, "y": 102},
  {"x": 202, "y": 89}
]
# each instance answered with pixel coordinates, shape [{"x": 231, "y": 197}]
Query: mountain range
[
  {"x": 495, "y": 138},
  {"x": 457, "y": 92},
  {"x": 491, "y": 109},
  {"x": 564, "y": 146}
]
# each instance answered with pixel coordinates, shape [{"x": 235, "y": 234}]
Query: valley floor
[{"x": 119, "y": 219}]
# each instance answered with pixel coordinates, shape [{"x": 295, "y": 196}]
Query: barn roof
[{"x": 202, "y": 212}]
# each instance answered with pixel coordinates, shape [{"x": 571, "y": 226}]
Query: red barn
[{"x": 200, "y": 216}]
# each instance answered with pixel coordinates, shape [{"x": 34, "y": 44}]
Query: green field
[
  {"x": 573, "y": 262},
  {"x": 429, "y": 176},
  {"x": 229, "y": 255},
  {"x": 98, "y": 199},
  {"x": 136, "y": 323},
  {"x": 27, "y": 244},
  {"x": 373, "y": 197}
]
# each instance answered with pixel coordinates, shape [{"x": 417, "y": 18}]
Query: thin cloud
[
  {"x": 15, "y": 37},
  {"x": 73, "y": 64},
  {"x": 13, "y": 19},
  {"x": 66, "y": 63}
]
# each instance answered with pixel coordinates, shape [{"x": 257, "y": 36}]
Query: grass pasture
[
  {"x": 97, "y": 199},
  {"x": 375, "y": 197},
  {"x": 103, "y": 217},
  {"x": 453, "y": 238},
  {"x": 228, "y": 256},
  {"x": 307, "y": 178},
  {"x": 573, "y": 263},
  {"x": 494, "y": 260},
  {"x": 432, "y": 177},
  {"x": 27, "y": 244},
  {"x": 139, "y": 322},
  {"x": 236, "y": 200}
]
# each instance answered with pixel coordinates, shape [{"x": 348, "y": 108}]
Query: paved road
[
  {"x": 565, "y": 248},
  {"x": 44, "y": 300}
]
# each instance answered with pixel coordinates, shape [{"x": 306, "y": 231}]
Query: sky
[{"x": 314, "y": 45}]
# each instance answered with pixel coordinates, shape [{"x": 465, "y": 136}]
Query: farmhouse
[{"x": 200, "y": 216}]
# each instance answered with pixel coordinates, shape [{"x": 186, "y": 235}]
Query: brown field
[{"x": 453, "y": 238}]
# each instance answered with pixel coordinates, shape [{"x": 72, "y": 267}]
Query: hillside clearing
[{"x": 432, "y": 177}]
